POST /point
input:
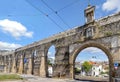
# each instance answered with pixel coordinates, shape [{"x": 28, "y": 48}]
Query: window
[
  {"x": 89, "y": 32},
  {"x": 89, "y": 18}
]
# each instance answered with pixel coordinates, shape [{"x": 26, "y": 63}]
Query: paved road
[
  {"x": 93, "y": 79},
  {"x": 31, "y": 78}
]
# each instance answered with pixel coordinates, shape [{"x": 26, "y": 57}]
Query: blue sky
[
  {"x": 22, "y": 23},
  {"x": 91, "y": 54}
]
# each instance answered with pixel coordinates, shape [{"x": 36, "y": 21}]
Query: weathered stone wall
[{"x": 36, "y": 62}]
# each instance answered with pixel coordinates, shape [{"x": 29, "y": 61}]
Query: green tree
[
  {"x": 87, "y": 66},
  {"x": 49, "y": 63},
  {"x": 77, "y": 70}
]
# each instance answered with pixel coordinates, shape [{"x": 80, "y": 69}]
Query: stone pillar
[
  {"x": 119, "y": 55},
  {"x": 43, "y": 65},
  {"x": 9, "y": 63},
  {"x": 62, "y": 67},
  {"x": 20, "y": 71},
  {"x": 5, "y": 65},
  {"x": 117, "y": 60},
  {"x": 0, "y": 60},
  {"x": 13, "y": 64},
  {"x": 71, "y": 74},
  {"x": 29, "y": 71}
]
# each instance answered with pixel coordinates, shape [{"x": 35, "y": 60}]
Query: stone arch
[
  {"x": 106, "y": 50},
  {"x": 52, "y": 45},
  {"x": 46, "y": 53}
]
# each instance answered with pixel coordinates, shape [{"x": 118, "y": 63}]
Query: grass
[{"x": 10, "y": 77}]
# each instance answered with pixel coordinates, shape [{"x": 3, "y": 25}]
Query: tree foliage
[
  {"x": 87, "y": 66},
  {"x": 49, "y": 63},
  {"x": 77, "y": 70}
]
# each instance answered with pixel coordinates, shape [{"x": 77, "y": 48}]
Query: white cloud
[
  {"x": 53, "y": 58},
  {"x": 14, "y": 28},
  {"x": 90, "y": 52},
  {"x": 93, "y": 50},
  {"x": 110, "y": 5},
  {"x": 8, "y": 46},
  {"x": 49, "y": 53}
]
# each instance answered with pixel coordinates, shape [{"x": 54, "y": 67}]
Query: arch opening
[
  {"x": 50, "y": 60},
  {"x": 96, "y": 45},
  {"x": 91, "y": 64}
]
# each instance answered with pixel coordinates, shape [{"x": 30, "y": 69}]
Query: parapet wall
[
  {"x": 109, "y": 19},
  {"x": 52, "y": 38},
  {"x": 3, "y": 53}
]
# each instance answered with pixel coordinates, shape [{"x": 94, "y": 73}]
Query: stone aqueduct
[{"x": 103, "y": 33}]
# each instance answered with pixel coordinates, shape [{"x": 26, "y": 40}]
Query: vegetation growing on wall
[{"x": 108, "y": 33}]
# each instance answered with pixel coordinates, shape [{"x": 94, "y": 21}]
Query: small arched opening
[{"x": 50, "y": 61}]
